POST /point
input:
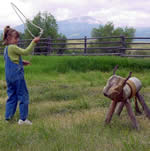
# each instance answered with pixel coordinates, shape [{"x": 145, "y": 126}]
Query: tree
[
  {"x": 108, "y": 30},
  {"x": 45, "y": 21},
  {"x": 1, "y": 36},
  {"x": 48, "y": 23}
]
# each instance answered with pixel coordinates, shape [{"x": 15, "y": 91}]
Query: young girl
[{"x": 14, "y": 74}]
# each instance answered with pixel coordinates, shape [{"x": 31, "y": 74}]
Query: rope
[
  {"x": 133, "y": 88},
  {"x": 17, "y": 11}
]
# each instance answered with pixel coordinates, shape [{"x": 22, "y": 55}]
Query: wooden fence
[{"x": 118, "y": 46}]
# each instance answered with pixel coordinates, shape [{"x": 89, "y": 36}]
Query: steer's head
[{"x": 114, "y": 86}]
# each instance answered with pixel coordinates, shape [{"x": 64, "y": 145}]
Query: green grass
[
  {"x": 57, "y": 64},
  {"x": 68, "y": 109}
]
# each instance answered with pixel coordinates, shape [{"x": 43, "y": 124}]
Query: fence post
[
  {"x": 124, "y": 46},
  {"x": 49, "y": 45},
  {"x": 85, "y": 44}
]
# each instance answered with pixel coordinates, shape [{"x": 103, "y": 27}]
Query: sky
[{"x": 131, "y": 13}]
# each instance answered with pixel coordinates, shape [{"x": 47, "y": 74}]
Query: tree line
[{"x": 48, "y": 23}]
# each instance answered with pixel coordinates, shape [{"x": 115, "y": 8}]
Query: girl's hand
[
  {"x": 36, "y": 39},
  {"x": 26, "y": 63}
]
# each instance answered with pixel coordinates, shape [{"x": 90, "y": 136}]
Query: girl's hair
[{"x": 9, "y": 32}]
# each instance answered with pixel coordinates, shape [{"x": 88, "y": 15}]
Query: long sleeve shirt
[{"x": 14, "y": 52}]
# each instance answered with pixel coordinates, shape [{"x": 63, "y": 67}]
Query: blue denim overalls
[{"x": 16, "y": 88}]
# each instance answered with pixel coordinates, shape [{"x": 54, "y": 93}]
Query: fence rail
[{"x": 117, "y": 45}]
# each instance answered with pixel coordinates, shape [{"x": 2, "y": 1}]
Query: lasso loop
[{"x": 17, "y": 11}]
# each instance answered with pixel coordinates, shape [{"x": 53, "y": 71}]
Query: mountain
[
  {"x": 142, "y": 32},
  {"x": 78, "y": 27},
  {"x": 19, "y": 28},
  {"x": 82, "y": 26},
  {"x": 73, "y": 28}
]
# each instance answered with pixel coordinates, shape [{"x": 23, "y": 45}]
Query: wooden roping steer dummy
[{"x": 121, "y": 90}]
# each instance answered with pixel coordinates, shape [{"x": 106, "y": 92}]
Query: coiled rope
[{"x": 19, "y": 13}]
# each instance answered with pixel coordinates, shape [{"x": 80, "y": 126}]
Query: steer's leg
[
  {"x": 142, "y": 102},
  {"x": 137, "y": 109},
  {"x": 110, "y": 112},
  {"x": 120, "y": 108},
  {"x": 131, "y": 114}
]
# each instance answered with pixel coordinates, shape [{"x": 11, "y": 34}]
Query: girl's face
[{"x": 13, "y": 39}]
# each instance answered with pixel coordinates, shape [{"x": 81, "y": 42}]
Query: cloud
[
  {"x": 121, "y": 17},
  {"x": 121, "y": 13},
  {"x": 8, "y": 15},
  {"x": 63, "y": 13}
]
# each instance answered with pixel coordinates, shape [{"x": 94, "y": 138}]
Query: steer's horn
[
  {"x": 127, "y": 78},
  {"x": 114, "y": 71}
]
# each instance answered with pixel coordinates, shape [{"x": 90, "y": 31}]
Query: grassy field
[
  {"x": 132, "y": 52},
  {"x": 139, "y": 52},
  {"x": 68, "y": 109}
]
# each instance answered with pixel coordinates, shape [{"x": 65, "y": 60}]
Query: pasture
[
  {"x": 68, "y": 109},
  {"x": 77, "y": 46}
]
